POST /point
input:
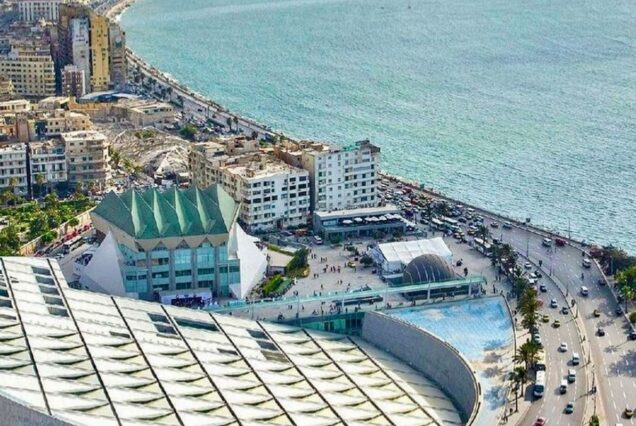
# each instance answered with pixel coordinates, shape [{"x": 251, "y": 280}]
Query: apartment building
[
  {"x": 15, "y": 106},
  {"x": 29, "y": 66},
  {"x": 271, "y": 193},
  {"x": 341, "y": 177},
  {"x": 118, "y": 67},
  {"x": 81, "y": 52},
  {"x": 99, "y": 46},
  {"x": 48, "y": 158},
  {"x": 6, "y": 88},
  {"x": 34, "y": 10},
  {"x": 13, "y": 167},
  {"x": 73, "y": 81},
  {"x": 61, "y": 121},
  {"x": 87, "y": 156}
]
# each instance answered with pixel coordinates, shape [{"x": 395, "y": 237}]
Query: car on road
[
  {"x": 541, "y": 421},
  {"x": 565, "y": 310},
  {"x": 584, "y": 291},
  {"x": 494, "y": 225},
  {"x": 538, "y": 273},
  {"x": 556, "y": 323},
  {"x": 601, "y": 282},
  {"x": 600, "y": 331},
  {"x": 553, "y": 303},
  {"x": 559, "y": 242},
  {"x": 547, "y": 242},
  {"x": 545, "y": 318},
  {"x": 507, "y": 225},
  {"x": 576, "y": 359},
  {"x": 587, "y": 263},
  {"x": 571, "y": 375},
  {"x": 563, "y": 347},
  {"x": 543, "y": 288},
  {"x": 537, "y": 339},
  {"x": 527, "y": 265},
  {"x": 632, "y": 334},
  {"x": 59, "y": 256},
  {"x": 629, "y": 412},
  {"x": 597, "y": 313},
  {"x": 563, "y": 387},
  {"x": 569, "y": 408}
]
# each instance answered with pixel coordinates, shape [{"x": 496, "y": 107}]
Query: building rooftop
[
  {"x": 260, "y": 166},
  {"x": 83, "y": 135},
  {"x": 87, "y": 358},
  {"x": 406, "y": 251},
  {"x": 363, "y": 212},
  {"x": 174, "y": 213}
]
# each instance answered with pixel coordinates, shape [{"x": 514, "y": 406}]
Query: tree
[
  {"x": 188, "y": 132},
  {"x": 9, "y": 240},
  {"x": 229, "y": 123},
  {"x": 39, "y": 181},
  {"x": 51, "y": 201},
  {"x": 528, "y": 306},
  {"x": 73, "y": 222},
  {"x": 115, "y": 157},
  {"x": 626, "y": 283},
  {"x": 236, "y": 123},
  {"x": 366, "y": 260},
  {"x": 527, "y": 354},
  {"x": 518, "y": 377},
  {"x": 13, "y": 182},
  {"x": 483, "y": 232}
]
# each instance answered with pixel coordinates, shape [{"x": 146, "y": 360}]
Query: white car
[
  {"x": 563, "y": 347},
  {"x": 527, "y": 265}
]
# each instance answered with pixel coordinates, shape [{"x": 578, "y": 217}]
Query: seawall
[{"x": 431, "y": 356}]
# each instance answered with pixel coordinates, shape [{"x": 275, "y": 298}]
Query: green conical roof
[{"x": 173, "y": 213}]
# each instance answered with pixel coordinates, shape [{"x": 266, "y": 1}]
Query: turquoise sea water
[{"x": 526, "y": 107}]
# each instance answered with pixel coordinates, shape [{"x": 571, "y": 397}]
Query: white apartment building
[
  {"x": 13, "y": 167},
  {"x": 13, "y": 107},
  {"x": 34, "y": 10},
  {"x": 273, "y": 194},
  {"x": 87, "y": 156},
  {"x": 30, "y": 67},
  {"x": 48, "y": 158},
  {"x": 341, "y": 177},
  {"x": 80, "y": 47}
]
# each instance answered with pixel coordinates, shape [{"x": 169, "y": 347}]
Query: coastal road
[{"x": 613, "y": 357}]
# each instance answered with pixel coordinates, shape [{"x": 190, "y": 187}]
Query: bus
[
  {"x": 437, "y": 224},
  {"x": 539, "y": 384},
  {"x": 72, "y": 244},
  {"x": 483, "y": 247},
  {"x": 450, "y": 224},
  {"x": 540, "y": 364}
]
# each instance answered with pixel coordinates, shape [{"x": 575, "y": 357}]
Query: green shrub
[{"x": 632, "y": 317}]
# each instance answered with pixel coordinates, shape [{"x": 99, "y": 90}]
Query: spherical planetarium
[{"x": 427, "y": 268}]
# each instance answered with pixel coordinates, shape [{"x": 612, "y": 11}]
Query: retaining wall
[
  {"x": 433, "y": 357},
  {"x": 16, "y": 414}
]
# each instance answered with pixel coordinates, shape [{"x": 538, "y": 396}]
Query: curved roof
[
  {"x": 80, "y": 357},
  {"x": 174, "y": 213},
  {"x": 427, "y": 268}
]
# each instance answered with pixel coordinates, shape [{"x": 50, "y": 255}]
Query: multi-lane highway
[{"x": 613, "y": 356}]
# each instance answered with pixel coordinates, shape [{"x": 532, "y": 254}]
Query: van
[
  {"x": 576, "y": 359},
  {"x": 571, "y": 375},
  {"x": 584, "y": 291},
  {"x": 563, "y": 388},
  {"x": 587, "y": 263},
  {"x": 547, "y": 242},
  {"x": 317, "y": 240}
]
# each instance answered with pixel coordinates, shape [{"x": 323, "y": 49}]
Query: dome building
[{"x": 427, "y": 268}]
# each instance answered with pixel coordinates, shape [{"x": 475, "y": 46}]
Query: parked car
[
  {"x": 597, "y": 313},
  {"x": 560, "y": 242}
]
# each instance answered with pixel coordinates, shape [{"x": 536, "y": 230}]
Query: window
[
  {"x": 257, "y": 334},
  {"x": 199, "y": 325},
  {"x": 205, "y": 271},
  {"x": 183, "y": 286},
  {"x": 158, "y": 318}
]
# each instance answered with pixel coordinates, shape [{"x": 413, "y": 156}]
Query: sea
[{"x": 523, "y": 107}]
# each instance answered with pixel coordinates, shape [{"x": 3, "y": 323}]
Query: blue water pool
[{"x": 481, "y": 330}]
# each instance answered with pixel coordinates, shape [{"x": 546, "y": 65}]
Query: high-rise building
[
  {"x": 80, "y": 47},
  {"x": 93, "y": 43},
  {"x": 117, "y": 56},
  {"x": 341, "y": 177},
  {"x": 99, "y": 47},
  {"x": 87, "y": 156},
  {"x": 73, "y": 81},
  {"x": 30, "y": 68}
]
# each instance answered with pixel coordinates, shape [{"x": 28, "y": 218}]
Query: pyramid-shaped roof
[{"x": 154, "y": 214}]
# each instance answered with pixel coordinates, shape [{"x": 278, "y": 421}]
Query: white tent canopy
[{"x": 395, "y": 256}]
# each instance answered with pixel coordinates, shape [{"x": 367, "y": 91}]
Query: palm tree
[
  {"x": 527, "y": 354},
  {"x": 229, "y": 123},
  {"x": 39, "y": 181},
  {"x": 518, "y": 377},
  {"x": 236, "y": 122},
  {"x": 483, "y": 232}
]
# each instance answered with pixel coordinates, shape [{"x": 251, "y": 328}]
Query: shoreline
[{"x": 118, "y": 7}]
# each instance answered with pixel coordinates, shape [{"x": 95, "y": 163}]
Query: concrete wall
[
  {"x": 428, "y": 354},
  {"x": 16, "y": 414}
]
